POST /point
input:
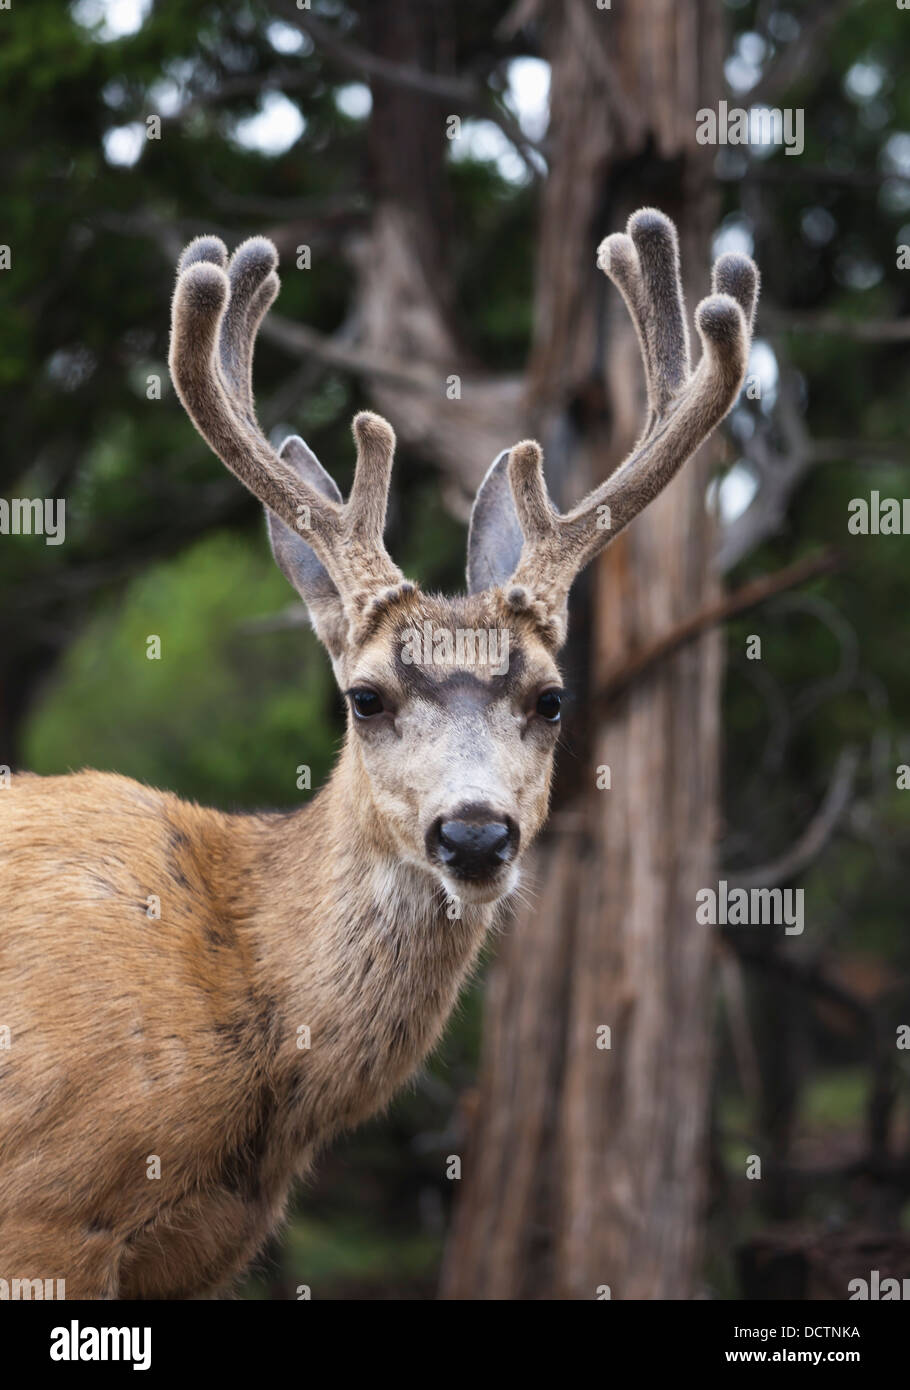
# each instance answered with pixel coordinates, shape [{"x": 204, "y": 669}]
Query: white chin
[{"x": 488, "y": 892}]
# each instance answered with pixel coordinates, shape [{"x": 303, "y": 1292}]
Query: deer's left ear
[
  {"x": 495, "y": 537},
  {"x": 298, "y": 562}
]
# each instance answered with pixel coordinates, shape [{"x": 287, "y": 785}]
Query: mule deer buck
[{"x": 168, "y": 1077}]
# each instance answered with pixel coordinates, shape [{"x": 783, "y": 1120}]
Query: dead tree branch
[
  {"x": 730, "y": 606},
  {"x": 467, "y": 96},
  {"x": 814, "y": 838},
  {"x": 780, "y": 469},
  {"x": 772, "y": 321},
  {"x": 806, "y": 974}
]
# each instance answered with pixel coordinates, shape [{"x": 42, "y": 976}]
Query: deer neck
[{"x": 359, "y": 952}]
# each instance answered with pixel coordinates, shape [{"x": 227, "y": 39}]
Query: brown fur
[{"x": 174, "y": 1038}]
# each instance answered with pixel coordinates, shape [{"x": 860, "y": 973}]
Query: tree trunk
[{"x": 585, "y": 1166}]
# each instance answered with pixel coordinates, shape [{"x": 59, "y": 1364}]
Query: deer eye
[
  {"x": 366, "y": 703},
  {"x": 549, "y": 705}
]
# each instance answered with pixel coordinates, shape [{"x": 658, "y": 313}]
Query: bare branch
[
  {"x": 862, "y": 453},
  {"x": 329, "y": 209},
  {"x": 782, "y": 172},
  {"x": 730, "y": 606},
  {"x": 774, "y": 321},
  {"x": 251, "y": 84},
  {"x": 805, "y": 973},
  {"x": 797, "y": 60},
  {"x": 814, "y": 838},
  {"x": 467, "y": 95},
  {"x": 780, "y": 470},
  {"x": 300, "y": 340},
  {"x": 353, "y": 55}
]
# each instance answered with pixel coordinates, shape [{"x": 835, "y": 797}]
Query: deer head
[{"x": 454, "y": 704}]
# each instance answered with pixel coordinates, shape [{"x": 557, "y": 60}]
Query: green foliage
[{"x": 228, "y": 712}]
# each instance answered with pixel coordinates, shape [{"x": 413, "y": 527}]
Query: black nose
[{"x": 473, "y": 845}]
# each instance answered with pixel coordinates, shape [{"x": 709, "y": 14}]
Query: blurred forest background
[{"x": 438, "y": 249}]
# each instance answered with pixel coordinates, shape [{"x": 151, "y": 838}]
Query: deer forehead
[{"x": 454, "y": 653}]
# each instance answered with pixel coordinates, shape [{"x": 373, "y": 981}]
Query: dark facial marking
[{"x": 450, "y": 688}]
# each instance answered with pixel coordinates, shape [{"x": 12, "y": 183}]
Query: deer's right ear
[
  {"x": 495, "y": 538},
  {"x": 298, "y": 561}
]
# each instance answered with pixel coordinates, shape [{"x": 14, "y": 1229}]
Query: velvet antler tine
[
  {"x": 738, "y": 277},
  {"x": 656, "y": 242},
  {"x": 203, "y": 248},
  {"x": 618, "y": 259},
  {"x": 536, "y": 513},
  {"x": 208, "y": 250},
  {"x": 254, "y": 285},
  {"x": 368, "y": 498}
]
